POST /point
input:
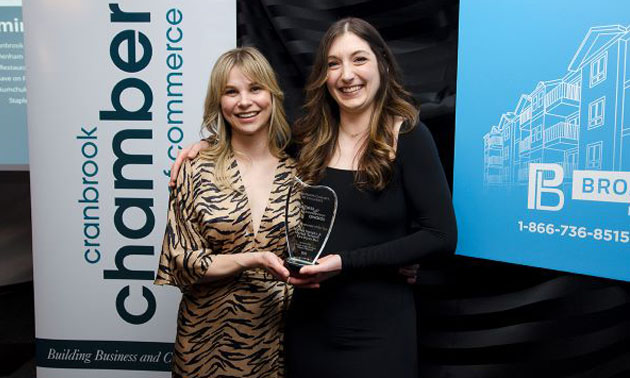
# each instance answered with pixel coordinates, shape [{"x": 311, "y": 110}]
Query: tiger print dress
[{"x": 232, "y": 327}]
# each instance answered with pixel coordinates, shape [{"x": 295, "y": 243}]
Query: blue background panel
[{"x": 543, "y": 82}]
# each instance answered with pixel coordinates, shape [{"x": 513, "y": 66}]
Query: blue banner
[
  {"x": 13, "y": 136},
  {"x": 542, "y": 151}
]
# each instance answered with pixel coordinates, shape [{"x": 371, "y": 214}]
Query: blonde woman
[{"x": 224, "y": 238}]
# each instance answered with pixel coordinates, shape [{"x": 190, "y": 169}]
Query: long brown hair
[
  {"x": 317, "y": 131},
  {"x": 256, "y": 67}
]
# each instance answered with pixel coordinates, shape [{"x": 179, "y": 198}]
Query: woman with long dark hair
[{"x": 361, "y": 137}]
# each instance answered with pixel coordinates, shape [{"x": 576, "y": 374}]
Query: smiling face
[
  {"x": 245, "y": 105},
  {"x": 352, "y": 78}
]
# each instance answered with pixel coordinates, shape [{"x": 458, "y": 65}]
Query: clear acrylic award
[{"x": 309, "y": 216}]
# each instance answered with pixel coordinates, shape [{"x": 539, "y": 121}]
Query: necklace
[{"x": 353, "y": 135}]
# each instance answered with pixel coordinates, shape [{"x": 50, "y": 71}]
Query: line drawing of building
[{"x": 579, "y": 121}]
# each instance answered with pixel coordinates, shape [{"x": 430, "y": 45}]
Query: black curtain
[{"x": 476, "y": 318}]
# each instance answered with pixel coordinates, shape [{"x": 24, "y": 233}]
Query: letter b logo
[{"x": 544, "y": 178}]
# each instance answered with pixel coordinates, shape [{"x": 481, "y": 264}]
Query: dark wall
[
  {"x": 476, "y": 318},
  {"x": 16, "y": 258}
]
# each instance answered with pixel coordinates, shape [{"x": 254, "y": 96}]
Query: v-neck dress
[{"x": 232, "y": 327}]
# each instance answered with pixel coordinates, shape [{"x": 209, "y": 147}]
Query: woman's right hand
[
  {"x": 186, "y": 153},
  {"x": 274, "y": 265}
]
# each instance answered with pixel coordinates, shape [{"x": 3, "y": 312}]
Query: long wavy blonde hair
[
  {"x": 317, "y": 131},
  {"x": 257, "y": 69}
]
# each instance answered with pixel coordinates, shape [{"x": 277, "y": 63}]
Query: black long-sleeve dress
[{"x": 362, "y": 322}]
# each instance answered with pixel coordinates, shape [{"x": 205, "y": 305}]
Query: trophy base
[{"x": 294, "y": 265}]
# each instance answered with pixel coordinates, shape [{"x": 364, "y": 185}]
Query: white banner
[{"x": 114, "y": 89}]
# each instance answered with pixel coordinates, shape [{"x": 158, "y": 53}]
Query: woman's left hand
[
  {"x": 410, "y": 273},
  {"x": 310, "y": 276}
]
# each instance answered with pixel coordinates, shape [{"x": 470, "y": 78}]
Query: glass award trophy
[{"x": 310, "y": 212}]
